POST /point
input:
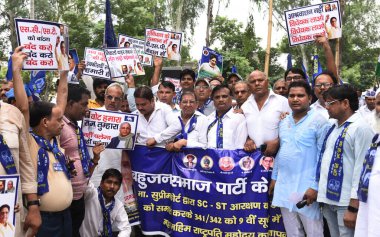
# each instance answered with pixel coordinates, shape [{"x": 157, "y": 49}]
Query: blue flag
[
  {"x": 234, "y": 69},
  {"x": 109, "y": 34},
  {"x": 289, "y": 65},
  {"x": 317, "y": 68},
  {"x": 37, "y": 81},
  {"x": 304, "y": 70},
  {"x": 9, "y": 74}
]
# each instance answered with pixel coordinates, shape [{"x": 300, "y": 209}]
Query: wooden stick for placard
[
  {"x": 267, "y": 54},
  {"x": 337, "y": 55}
]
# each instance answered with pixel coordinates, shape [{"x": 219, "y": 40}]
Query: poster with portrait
[
  {"x": 115, "y": 130},
  {"x": 126, "y": 41},
  {"x": 123, "y": 61},
  {"x": 73, "y": 67},
  {"x": 8, "y": 200},
  {"x": 96, "y": 64},
  {"x": 166, "y": 44},
  {"x": 46, "y": 43},
  {"x": 304, "y": 23},
  {"x": 176, "y": 82},
  {"x": 211, "y": 64}
]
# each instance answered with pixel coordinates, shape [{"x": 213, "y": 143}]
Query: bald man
[{"x": 262, "y": 111}]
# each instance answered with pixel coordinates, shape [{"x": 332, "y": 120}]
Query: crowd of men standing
[{"x": 325, "y": 150}]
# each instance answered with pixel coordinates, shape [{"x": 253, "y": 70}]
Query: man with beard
[
  {"x": 105, "y": 215},
  {"x": 99, "y": 86},
  {"x": 367, "y": 110},
  {"x": 367, "y": 223}
]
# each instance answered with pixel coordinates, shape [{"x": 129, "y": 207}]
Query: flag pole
[
  {"x": 337, "y": 55},
  {"x": 267, "y": 54}
]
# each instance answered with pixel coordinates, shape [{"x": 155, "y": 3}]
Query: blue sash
[
  {"x": 318, "y": 174},
  {"x": 183, "y": 134},
  {"x": 43, "y": 162},
  {"x": 83, "y": 152},
  {"x": 203, "y": 107},
  {"x": 6, "y": 157},
  {"x": 367, "y": 169},
  {"x": 219, "y": 129},
  {"x": 106, "y": 212},
  {"x": 335, "y": 175}
]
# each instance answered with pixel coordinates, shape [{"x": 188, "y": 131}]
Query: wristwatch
[
  {"x": 352, "y": 209},
  {"x": 33, "y": 202}
]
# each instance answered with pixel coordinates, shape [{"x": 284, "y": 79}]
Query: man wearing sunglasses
[{"x": 341, "y": 160}]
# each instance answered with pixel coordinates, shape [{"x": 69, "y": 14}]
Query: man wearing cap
[
  {"x": 232, "y": 79},
  {"x": 369, "y": 106},
  {"x": 202, "y": 91}
]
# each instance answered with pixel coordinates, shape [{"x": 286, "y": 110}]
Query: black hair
[
  {"x": 167, "y": 84},
  {"x": 143, "y": 92},
  {"x": 125, "y": 44},
  {"x": 187, "y": 72},
  {"x": 342, "y": 92},
  {"x": 332, "y": 19},
  {"x": 187, "y": 92},
  {"x": 213, "y": 56},
  {"x": 5, "y": 205},
  {"x": 98, "y": 82},
  {"x": 328, "y": 73},
  {"x": 75, "y": 92},
  {"x": 38, "y": 111},
  {"x": 112, "y": 173},
  {"x": 303, "y": 84},
  {"x": 295, "y": 70},
  {"x": 218, "y": 88}
]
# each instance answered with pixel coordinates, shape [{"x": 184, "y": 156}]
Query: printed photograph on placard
[
  {"x": 8, "y": 200},
  {"x": 115, "y": 130},
  {"x": 46, "y": 43},
  {"x": 163, "y": 43},
  {"x": 126, "y": 41}
]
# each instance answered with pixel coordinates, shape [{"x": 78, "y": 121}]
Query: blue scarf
[
  {"x": 183, "y": 134},
  {"x": 83, "y": 152},
  {"x": 6, "y": 157},
  {"x": 203, "y": 107},
  {"x": 106, "y": 212},
  {"x": 367, "y": 169},
  {"x": 318, "y": 174},
  {"x": 335, "y": 175},
  {"x": 219, "y": 129},
  {"x": 43, "y": 162}
]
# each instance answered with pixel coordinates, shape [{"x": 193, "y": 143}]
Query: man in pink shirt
[{"x": 76, "y": 150}]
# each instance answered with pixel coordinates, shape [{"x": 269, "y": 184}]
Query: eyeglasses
[
  {"x": 331, "y": 102},
  {"x": 185, "y": 102},
  {"x": 202, "y": 87},
  {"x": 110, "y": 97},
  {"x": 325, "y": 85},
  {"x": 293, "y": 78}
]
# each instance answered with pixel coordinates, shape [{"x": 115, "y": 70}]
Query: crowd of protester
[{"x": 324, "y": 148}]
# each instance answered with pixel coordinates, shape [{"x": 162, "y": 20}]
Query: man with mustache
[{"x": 105, "y": 215}]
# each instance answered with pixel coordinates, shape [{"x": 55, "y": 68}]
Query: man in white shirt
[
  {"x": 262, "y": 111},
  {"x": 341, "y": 160},
  {"x": 154, "y": 119},
  {"x": 166, "y": 93},
  {"x": 226, "y": 129},
  {"x": 322, "y": 83},
  {"x": 202, "y": 90},
  {"x": 368, "y": 220},
  {"x": 101, "y": 202},
  {"x": 193, "y": 124},
  {"x": 367, "y": 110}
]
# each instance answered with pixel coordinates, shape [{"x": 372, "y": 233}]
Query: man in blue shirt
[{"x": 293, "y": 177}]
